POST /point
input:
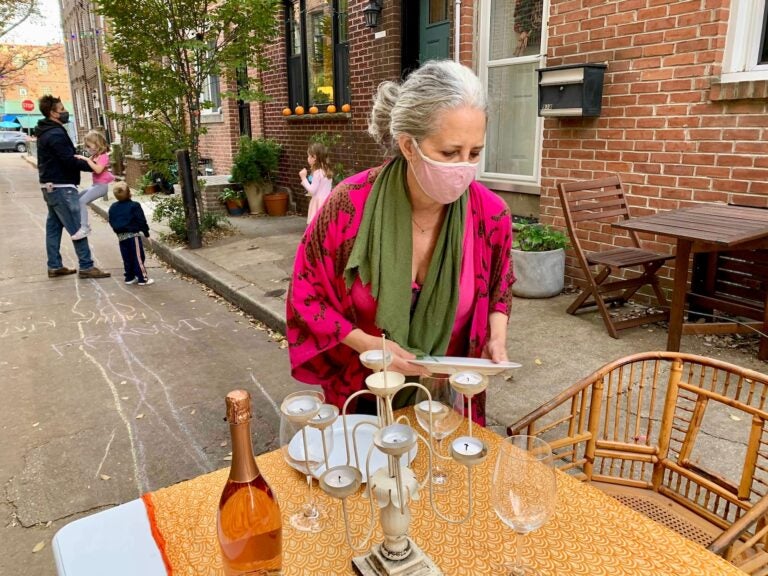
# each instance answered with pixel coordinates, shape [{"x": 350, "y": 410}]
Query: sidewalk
[{"x": 253, "y": 267}]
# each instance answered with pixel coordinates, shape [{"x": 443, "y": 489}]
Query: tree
[
  {"x": 14, "y": 58},
  {"x": 163, "y": 54}
]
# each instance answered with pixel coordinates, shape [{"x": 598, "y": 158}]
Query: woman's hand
[
  {"x": 496, "y": 346},
  {"x": 303, "y": 173},
  {"x": 81, "y": 157},
  {"x": 362, "y": 342},
  {"x": 495, "y": 349}
]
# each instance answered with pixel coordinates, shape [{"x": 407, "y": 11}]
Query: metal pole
[{"x": 188, "y": 195}]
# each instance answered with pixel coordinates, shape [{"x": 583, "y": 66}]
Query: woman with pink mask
[{"x": 415, "y": 248}]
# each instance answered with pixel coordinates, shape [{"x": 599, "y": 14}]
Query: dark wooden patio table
[{"x": 703, "y": 228}]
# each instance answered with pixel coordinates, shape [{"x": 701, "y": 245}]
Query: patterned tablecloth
[{"x": 590, "y": 534}]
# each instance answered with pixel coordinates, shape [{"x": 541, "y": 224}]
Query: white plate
[
  {"x": 338, "y": 455},
  {"x": 452, "y": 364}
]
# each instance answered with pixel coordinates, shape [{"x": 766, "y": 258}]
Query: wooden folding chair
[
  {"x": 598, "y": 201},
  {"x": 679, "y": 438}
]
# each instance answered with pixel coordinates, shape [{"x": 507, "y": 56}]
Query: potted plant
[
  {"x": 538, "y": 256},
  {"x": 234, "y": 200},
  {"x": 146, "y": 184},
  {"x": 254, "y": 167}
]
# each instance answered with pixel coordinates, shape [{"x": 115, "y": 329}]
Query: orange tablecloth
[{"x": 590, "y": 534}]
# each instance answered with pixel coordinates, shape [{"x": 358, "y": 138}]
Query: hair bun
[{"x": 380, "y": 123}]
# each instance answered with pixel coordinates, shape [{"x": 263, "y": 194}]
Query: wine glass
[
  {"x": 305, "y": 448},
  {"x": 524, "y": 489},
  {"x": 446, "y": 408}
]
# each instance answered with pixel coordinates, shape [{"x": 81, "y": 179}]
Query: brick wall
[
  {"x": 667, "y": 127},
  {"x": 371, "y": 61},
  {"x": 135, "y": 168},
  {"x": 219, "y": 143}
]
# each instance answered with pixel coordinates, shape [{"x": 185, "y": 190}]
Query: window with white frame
[
  {"x": 511, "y": 48},
  {"x": 210, "y": 97},
  {"x": 746, "y": 45},
  {"x": 80, "y": 116},
  {"x": 42, "y": 64}
]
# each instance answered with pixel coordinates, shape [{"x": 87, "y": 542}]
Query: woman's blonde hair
[
  {"x": 411, "y": 107},
  {"x": 96, "y": 139},
  {"x": 320, "y": 152}
]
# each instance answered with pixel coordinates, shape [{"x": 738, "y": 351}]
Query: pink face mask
[{"x": 444, "y": 182}]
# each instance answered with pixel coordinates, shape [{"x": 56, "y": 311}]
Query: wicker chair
[{"x": 635, "y": 429}]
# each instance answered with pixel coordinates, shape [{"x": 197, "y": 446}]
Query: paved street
[{"x": 108, "y": 390}]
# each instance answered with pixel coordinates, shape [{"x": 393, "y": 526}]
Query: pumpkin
[
  {"x": 287, "y": 112},
  {"x": 313, "y": 110},
  {"x": 346, "y": 108},
  {"x": 331, "y": 109},
  {"x": 299, "y": 110}
]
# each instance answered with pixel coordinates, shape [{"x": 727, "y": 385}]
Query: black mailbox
[{"x": 571, "y": 90}]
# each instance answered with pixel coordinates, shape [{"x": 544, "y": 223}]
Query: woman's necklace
[
  {"x": 435, "y": 222},
  {"x": 422, "y": 230}
]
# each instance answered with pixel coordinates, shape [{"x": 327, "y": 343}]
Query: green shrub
[
  {"x": 230, "y": 194},
  {"x": 538, "y": 238},
  {"x": 256, "y": 160},
  {"x": 170, "y": 210}
]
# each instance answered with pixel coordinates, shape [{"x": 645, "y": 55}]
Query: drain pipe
[{"x": 456, "y": 29}]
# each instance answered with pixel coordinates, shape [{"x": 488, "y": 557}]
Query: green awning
[{"x": 29, "y": 121}]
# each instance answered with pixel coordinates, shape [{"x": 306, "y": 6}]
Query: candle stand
[{"x": 392, "y": 487}]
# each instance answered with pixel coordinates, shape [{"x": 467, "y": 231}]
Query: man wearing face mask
[
  {"x": 59, "y": 174},
  {"x": 415, "y": 248}
]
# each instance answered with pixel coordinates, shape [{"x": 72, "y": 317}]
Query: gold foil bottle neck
[{"x": 238, "y": 406}]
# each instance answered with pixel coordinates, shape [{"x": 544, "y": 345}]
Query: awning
[
  {"x": 29, "y": 121},
  {"x": 8, "y": 118},
  {"x": 6, "y": 124}
]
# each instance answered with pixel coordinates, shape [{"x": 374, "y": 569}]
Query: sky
[{"x": 43, "y": 30}]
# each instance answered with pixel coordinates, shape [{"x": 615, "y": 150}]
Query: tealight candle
[
  {"x": 430, "y": 406},
  {"x": 341, "y": 481},
  {"x": 375, "y": 359},
  {"x": 469, "y": 450},
  {"x": 395, "y": 439},
  {"x": 301, "y": 405},
  {"x": 468, "y": 378},
  {"x": 469, "y": 383}
]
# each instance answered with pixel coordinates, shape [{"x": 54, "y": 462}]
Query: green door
[{"x": 434, "y": 30}]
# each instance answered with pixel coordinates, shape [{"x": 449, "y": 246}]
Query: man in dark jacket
[{"x": 59, "y": 173}]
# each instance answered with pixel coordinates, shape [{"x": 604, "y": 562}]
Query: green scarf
[{"x": 382, "y": 257}]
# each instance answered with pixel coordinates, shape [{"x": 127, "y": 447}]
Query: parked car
[{"x": 10, "y": 140}]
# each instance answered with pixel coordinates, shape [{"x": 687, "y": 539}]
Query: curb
[{"x": 224, "y": 283}]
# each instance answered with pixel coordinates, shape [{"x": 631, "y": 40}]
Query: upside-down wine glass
[
  {"x": 292, "y": 435},
  {"x": 446, "y": 407},
  {"x": 524, "y": 490}
]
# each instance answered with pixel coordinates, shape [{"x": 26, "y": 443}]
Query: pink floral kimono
[{"x": 321, "y": 311}]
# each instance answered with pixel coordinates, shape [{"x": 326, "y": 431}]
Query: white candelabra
[{"x": 394, "y": 485}]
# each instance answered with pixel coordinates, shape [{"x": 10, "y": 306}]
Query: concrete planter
[
  {"x": 255, "y": 192},
  {"x": 539, "y": 274}
]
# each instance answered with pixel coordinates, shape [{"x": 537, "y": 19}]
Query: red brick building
[
  {"x": 84, "y": 36},
  {"x": 685, "y": 104},
  {"x": 684, "y": 108}
]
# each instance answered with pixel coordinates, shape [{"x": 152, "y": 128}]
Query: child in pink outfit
[
  {"x": 320, "y": 183},
  {"x": 99, "y": 163}
]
